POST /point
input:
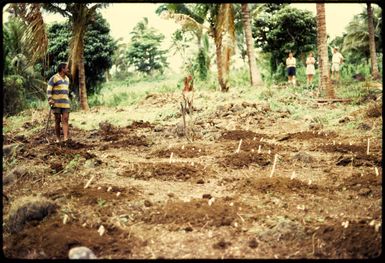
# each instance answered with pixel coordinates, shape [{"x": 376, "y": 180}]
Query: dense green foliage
[
  {"x": 99, "y": 48},
  {"x": 281, "y": 30},
  {"x": 354, "y": 45},
  {"x": 22, "y": 82},
  {"x": 144, "y": 51}
]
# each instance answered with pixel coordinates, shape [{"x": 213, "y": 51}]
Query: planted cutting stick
[
  {"x": 269, "y": 151},
  {"x": 376, "y": 170},
  {"x": 109, "y": 189},
  {"x": 254, "y": 138},
  {"x": 239, "y": 146},
  {"x": 243, "y": 220},
  {"x": 367, "y": 150},
  {"x": 309, "y": 182},
  {"x": 259, "y": 149},
  {"x": 345, "y": 224},
  {"x": 117, "y": 194},
  {"x": 275, "y": 162},
  {"x": 89, "y": 182},
  {"x": 101, "y": 230},
  {"x": 334, "y": 142},
  {"x": 252, "y": 150},
  {"x": 171, "y": 156},
  {"x": 261, "y": 139},
  {"x": 350, "y": 143},
  {"x": 199, "y": 150},
  {"x": 292, "y": 175},
  {"x": 182, "y": 147},
  {"x": 65, "y": 219}
]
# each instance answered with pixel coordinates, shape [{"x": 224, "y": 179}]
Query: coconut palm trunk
[
  {"x": 255, "y": 76},
  {"x": 218, "y": 51},
  {"x": 224, "y": 37},
  {"x": 79, "y": 24},
  {"x": 323, "y": 52},
  {"x": 372, "y": 43}
]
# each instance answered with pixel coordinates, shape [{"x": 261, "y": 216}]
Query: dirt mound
[
  {"x": 106, "y": 127},
  {"x": 361, "y": 159},
  {"x": 275, "y": 184},
  {"x": 309, "y": 135},
  {"x": 244, "y": 159},
  {"x": 374, "y": 110},
  {"x": 343, "y": 148},
  {"x": 184, "y": 151},
  {"x": 164, "y": 171},
  {"x": 131, "y": 141},
  {"x": 364, "y": 185},
  {"x": 140, "y": 124},
  {"x": 63, "y": 149},
  {"x": 241, "y": 134},
  {"x": 93, "y": 195},
  {"x": 53, "y": 239},
  {"x": 196, "y": 213},
  {"x": 40, "y": 137},
  {"x": 358, "y": 240},
  {"x": 253, "y": 145},
  {"x": 28, "y": 209}
]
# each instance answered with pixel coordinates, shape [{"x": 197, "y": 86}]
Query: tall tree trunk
[
  {"x": 255, "y": 76},
  {"x": 218, "y": 51},
  {"x": 372, "y": 43},
  {"x": 323, "y": 52},
  {"x": 79, "y": 25},
  {"x": 82, "y": 81},
  {"x": 224, "y": 37}
]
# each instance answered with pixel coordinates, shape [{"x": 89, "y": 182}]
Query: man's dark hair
[{"x": 61, "y": 66}]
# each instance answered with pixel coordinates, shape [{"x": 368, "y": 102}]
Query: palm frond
[
  {"x": 35, "y": 35},
  {"x": 187, "y": 22}
]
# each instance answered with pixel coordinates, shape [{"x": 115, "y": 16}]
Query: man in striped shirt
[{"x": 58, "y": 99}]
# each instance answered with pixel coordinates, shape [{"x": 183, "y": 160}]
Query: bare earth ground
[{"x": 160, "y": 196}]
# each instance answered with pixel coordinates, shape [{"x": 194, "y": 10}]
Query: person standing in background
[
  {"x": 337, "y": 60},
  {"x": 310, "y": 69},
  {"x": 290, "y": 65}
]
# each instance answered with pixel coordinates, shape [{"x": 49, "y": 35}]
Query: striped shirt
[{"x": 58, "y": 90}]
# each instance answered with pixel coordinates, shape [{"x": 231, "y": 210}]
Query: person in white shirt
[
  {"x": 337, "y": 60},
  {"x": 310, "y": 69},
  {"x": 290, "y": 65}
]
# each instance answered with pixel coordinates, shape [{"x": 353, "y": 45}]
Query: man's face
[{"x": 66, "y": 70}]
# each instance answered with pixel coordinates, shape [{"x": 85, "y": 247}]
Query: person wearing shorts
[
  {"x": 58, "y": 99},
  {"x": 337, "y": 60},
  {"x": 290, "y": 65},
  {"x": 310, "y": 69}
]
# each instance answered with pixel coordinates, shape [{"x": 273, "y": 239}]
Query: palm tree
[
  {"x": 255, "y": 76},
  {"x": 35, "y": 35},
  {"x": 323, "y": 52},
  {"x": 80, "y": 16},
  {"x": 357, "y": 34},
  {"x": 221, "y": 20},
  {"x": 223, "y": 31},
  {"x": 372, "y": 43}
]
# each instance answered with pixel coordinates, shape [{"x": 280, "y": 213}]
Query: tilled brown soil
[{"x": 162, "y": 197}]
